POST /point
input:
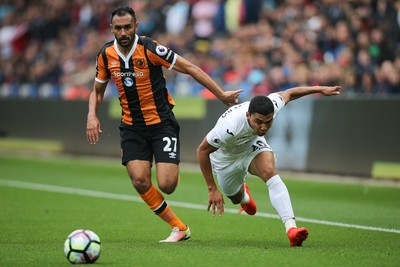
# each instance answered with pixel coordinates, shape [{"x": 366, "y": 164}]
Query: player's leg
[
  {"x": 168, "y": 176},
  {"x": 263, "y": 166},
  {"x": 166, "y": 148},
  {"x": 231, "y": 179},
  {"x": 165, "y": 145},
  {"x": 140, "y": 174},
  {"x": 137, "y": 156},
  {"x": 247, "y": 203}
]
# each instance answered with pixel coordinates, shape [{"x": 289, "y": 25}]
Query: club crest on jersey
[
  {"x": 139, "y": 63},
  {"x": 128, "y": 82},
  {"x": 161, "y": 50}
]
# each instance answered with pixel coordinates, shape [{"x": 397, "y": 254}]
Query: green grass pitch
[{"x": 44, "y": 199}]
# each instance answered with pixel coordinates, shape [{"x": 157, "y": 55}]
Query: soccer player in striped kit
[{"x": 148, "y": 129}]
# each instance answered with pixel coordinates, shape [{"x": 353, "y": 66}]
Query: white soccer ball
[{"x": 82, "y": 246}]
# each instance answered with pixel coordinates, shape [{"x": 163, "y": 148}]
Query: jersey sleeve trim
[
  {"x": 173, "y": 62},
  {"x": 100, "y": 81}
]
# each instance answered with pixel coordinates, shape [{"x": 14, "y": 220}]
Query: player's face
[
  {"x": 260, "y": 123},
  {"x": 124, "y": 29}
]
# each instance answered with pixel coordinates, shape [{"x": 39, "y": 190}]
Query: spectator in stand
[
  {"x": 203, "y": 13},
  {"x": 321, "y": 36},
  {"x": 177, "y": 15},
  {"x": 389, "y": 78}
]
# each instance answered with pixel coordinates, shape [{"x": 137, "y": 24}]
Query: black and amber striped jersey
[{"x": 139, "y": 77}]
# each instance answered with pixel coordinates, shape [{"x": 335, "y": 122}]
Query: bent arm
[
  {"x": 215, "y": 198},
  {"x": 93, "y": 123},
  {"x": 203, "y": 156},
  {"x": 297, "y": 92},
  {"x": 184, "y": 66}
]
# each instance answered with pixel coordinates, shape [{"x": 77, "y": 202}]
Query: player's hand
[
  {"x": 93, "y": 129},
  {"x": 230, "y": 98},
  {"x": 331, "y": 90},
  {"x": 215, "y": 202}
]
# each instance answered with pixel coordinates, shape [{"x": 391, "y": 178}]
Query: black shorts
[{"x": 160, "y": 141}]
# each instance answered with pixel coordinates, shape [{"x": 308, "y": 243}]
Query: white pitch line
[{"x": 99, "y": 194}]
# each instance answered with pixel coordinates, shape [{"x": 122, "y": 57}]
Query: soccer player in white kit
[{"x": 236, "y": 146}]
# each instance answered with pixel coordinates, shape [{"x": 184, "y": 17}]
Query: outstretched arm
[
  {"x": 229, "y": 98},
  {"x": 93, "y": 124},
  {"x": 297, "y": 92},
  {"x": 215, "y": 198}
]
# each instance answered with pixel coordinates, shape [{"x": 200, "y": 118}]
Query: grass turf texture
[{"x": 35, "y": 223}]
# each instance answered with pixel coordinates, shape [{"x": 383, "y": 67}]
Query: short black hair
[
  {"x": 261, "y": 104},
  {"x": 122, "y": 11}
]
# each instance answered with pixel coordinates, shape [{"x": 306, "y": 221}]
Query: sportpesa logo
[{"x": 128, "y": 74}]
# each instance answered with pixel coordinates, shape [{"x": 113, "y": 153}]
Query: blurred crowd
[{"x": 48, "y": 48}]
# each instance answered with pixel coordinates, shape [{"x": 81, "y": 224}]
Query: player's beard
[{"x": 126, "y": 41}]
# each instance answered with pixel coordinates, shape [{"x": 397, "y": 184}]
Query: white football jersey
[{"x": 232, "y": 133}]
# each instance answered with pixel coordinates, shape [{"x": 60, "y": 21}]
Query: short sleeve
[
  {"x": 102, "y": 75},
  {"x": 278, "y": 102},
  {"x": 213, "y": 138}
]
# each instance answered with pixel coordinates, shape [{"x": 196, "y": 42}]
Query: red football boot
[
  {"x": 251, "y": 207},
  {"x": 297, "y": 236}
]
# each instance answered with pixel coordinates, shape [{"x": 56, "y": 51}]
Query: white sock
[
  {"x": 290, "y": 223},
  {"x": 246, "y": 198},
  {"x": 280, "y": 200}
]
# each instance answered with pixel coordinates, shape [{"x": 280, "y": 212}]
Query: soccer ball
[{"x": 82, "y": 246}]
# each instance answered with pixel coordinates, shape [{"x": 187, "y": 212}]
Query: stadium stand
[{"x": 48, "y": 47}]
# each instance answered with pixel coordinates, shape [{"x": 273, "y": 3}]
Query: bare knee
[
  {"x": 140, "y": 174},
  {"x": 263, "y": 166},
  {"x": 267, "y": 174},
  {"x": 140, "y": 181},
  {"x": 267, "y": 171},
  {"x": 141, "y": 184},
  {"x": 167, "y": 186}
]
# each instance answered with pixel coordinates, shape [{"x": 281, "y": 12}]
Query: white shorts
[{"x": 231, "y": 172}]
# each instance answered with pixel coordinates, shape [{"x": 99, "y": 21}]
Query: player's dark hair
[
  {"x": 261, "y": 104},
  {"x": 122, "y": 11}
]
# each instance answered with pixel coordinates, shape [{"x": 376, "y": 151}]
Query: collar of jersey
[{"x": 126, "y": 59}]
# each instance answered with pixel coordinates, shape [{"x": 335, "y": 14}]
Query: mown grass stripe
[{"x": 114, "y": 196}]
